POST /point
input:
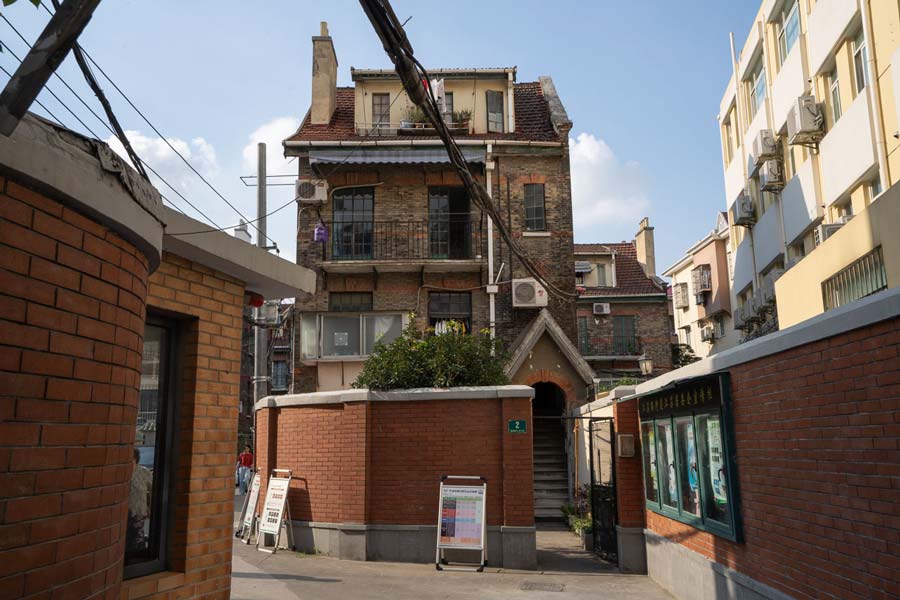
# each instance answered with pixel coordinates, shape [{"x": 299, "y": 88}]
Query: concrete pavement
[{"x": 568, "y": 573}]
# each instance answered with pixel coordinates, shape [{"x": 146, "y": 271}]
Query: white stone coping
[
  {"x": 867, "y": 311},
  {"x": 614, "y": 394},
  {"x": 413, "y": 395}
]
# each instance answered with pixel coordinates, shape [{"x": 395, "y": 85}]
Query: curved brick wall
[{"x": 72, "y": 297}]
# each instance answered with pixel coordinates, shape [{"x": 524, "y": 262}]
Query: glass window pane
[
  {"x": 381, "y": 328},
  {"x": 687, "y": 463},
  {"x": 648, "y": 441},
  {"x": 666, "y": 464},
  {"x": 340, "y": 336},
  {"x": 309, "y": 336},
  {"x": 495, "y": 111},
  {"x": 711, "y": 444}
]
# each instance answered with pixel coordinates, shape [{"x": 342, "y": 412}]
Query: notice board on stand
[
  {"x": 276, "y": 511},
  {"x": 462, "y": 525}
]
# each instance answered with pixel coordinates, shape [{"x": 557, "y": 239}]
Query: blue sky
[{"x": 641, "y": 81}]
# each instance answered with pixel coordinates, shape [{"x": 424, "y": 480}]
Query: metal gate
[{"x": 601, "y": 436}]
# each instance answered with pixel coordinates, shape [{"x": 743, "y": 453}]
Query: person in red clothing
[{"x": 245, "y": 467}]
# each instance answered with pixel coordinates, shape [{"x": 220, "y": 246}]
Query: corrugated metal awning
[
  {"x": 583, "y": 266},
  {"x": 379, "y": 156}
]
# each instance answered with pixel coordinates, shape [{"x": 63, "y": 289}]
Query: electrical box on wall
[{"x": 625, "y": 445}]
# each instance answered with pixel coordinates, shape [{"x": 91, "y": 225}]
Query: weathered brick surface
[
  {"x": 381, "y": 462},
  {"x": 652, "y": 329},
  {"x": 402, "y": 195},
  {"x": 818, "y": 447},
  {"x": 69, "y": 384}
]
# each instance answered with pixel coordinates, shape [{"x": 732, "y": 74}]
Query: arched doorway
[{"x": 551, "y": 480}]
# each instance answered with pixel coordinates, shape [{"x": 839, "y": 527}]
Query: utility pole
[{"x": 260, "y": 341}]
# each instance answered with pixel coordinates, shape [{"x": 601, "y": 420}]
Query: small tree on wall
[
  {"x": 683, "y": 354},
  {"x": 450, "y": 359}
]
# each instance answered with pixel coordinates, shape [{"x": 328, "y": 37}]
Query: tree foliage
[
  {"x": 683, "y": 354},
  {"x": 418, "y": 360}
]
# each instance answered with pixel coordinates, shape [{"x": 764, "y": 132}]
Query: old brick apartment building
[{"x": 392, "y": 235}]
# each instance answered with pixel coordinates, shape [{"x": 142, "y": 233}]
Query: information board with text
[
  {"x": 462, "y": 517},
  {"x": 276, "y": 495},
  {"x": 251, "y": 501}
]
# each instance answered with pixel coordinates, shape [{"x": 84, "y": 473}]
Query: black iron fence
[
  {"x": 453, "y": 238},
  {"x": 610, "y": 346}
]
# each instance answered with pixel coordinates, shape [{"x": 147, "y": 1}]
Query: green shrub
[{"x": 417, "y": 360}]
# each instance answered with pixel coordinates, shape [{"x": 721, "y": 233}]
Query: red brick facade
[
  {"x": 381, "y": 461},
  {"x": 71, "y": 328},
  {"x": 817, "y": 432},
  {"x": 74, "y": 298}
]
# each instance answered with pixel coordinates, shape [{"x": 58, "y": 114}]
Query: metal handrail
[{"x": 454, "y": 236}]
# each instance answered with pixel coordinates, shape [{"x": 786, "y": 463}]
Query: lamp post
[{"x": 646, "y": 364}]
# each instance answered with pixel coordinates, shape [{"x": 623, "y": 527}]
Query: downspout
[
  {"x": 875, "y": 96},
  {"x": 491, "y": 287}
]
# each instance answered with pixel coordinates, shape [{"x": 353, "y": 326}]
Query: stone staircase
[{"x": 551, "y": 481}]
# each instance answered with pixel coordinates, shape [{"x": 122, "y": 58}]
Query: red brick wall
[
  {"x": 629, "y": 482},
  {"x": 208, "y": 305},
  {"x": 381, "y": 462},
  {"x": 818, "y": 450},
  {"x": 71, "y": 329}
]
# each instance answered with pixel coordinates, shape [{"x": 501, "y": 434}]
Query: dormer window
[
  {"x": 381, "y": 110},
  {"x": 494, "y": 111}
]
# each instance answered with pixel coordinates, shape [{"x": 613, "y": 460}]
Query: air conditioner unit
[
  {"x": 765, "y": 147},
  {"x": 311, "y": 191},
  {"x": 528, "y": 293},
  {"x": 601, "y": 308},
  {"x": 743, "y": 211},
  {"x": 825, "y": 231},
  {"x": 771, "y": 176},
  {"x": 844, "y": 219},
  {"x": 738, "y": 319},
  {"x": 804, "y": 121},
  {"x": 708, "y": 333}
]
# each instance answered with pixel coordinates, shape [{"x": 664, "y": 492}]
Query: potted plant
[{"x": 461, "y": 119}]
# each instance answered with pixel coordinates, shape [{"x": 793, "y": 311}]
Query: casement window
[
  {"x": 151, "y": 495},
  {"x": 788, "y": 29},
  {"x": 345, "y": 334},
  {"x": 601, "y": 275},
  {"x": 449, "y": 306},
  {"x": 860, "y": 58},
  {"x": 279, "y": 375},
  {"x": 448, "y": 106},
  {"x": 834, "y": 95},
  {"x": 757, "y": 87},
  {"x": 494, "y": 111},
  {"x": 625, "y": 342},
  {"x": 381, "y": 110},
  {"x": 688, "y": 454},
  {"x": 584, "y": 336},
  {"x": 534, "y": 207},
  {"x": 350, "y": 301},
  {"x": 353, "y": 223},
  {"x": 579, "y": 278},
  {"x": 728, "y": 139}
]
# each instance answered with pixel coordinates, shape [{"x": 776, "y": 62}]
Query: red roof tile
[
  {"x": 532, "y": 120},
  {"x": 631, "y": 280}
]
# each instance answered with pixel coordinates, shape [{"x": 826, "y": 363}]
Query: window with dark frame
[
  {"x": 381, "y": 110},
  {"x": 688, "y": 449},
  {"x": 494, "y": 111},
  {"x": 624, "y": 335},
  {"x": 353, "y": 223},
  {"x": 448, "y": 106},
  {"x": 450, "y": 306},
  {"x": 150, "y": 498},
  {"x": 534, "y": 207},
  {"x": 350, "y": 301},
  {"x": 279, "y": 375}
]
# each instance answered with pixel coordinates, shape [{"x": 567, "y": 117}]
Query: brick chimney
[
  {"x": 643, "y": 243},
  {"x": 324, "y": 78}
]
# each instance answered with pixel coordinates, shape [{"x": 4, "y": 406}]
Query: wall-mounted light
[{"x": 646, "y": 364}]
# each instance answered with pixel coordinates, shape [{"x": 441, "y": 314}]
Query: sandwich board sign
[
  {"x": 248, "y": 515},
  {"x": 275, "y": 510},
  {"x": 462, "y": 523}
]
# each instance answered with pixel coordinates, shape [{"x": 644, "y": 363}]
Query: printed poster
[
  {"x": 276, "y": 495},
  {"x": 716, "y": 460},
  {"x": 252, "y": 500},
  {"x": 462, "y": 514}
]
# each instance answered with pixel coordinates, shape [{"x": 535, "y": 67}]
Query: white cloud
[
  {"x": 162, "y": 158},
  {"x": 605, "y": 190},
  {"x": 272, "y": 133}
]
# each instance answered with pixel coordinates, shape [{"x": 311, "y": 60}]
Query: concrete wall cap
[
  {"x": 861, "y": 313},
  {"x": 413, "y": 395},
  {"x": 89, "y": 177}
]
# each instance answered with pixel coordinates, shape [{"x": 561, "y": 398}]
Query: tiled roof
[
  {"x": 532, "y": 120},
  {"x": 630, "y": 277}
]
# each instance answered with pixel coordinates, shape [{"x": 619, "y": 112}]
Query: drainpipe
[
  {"x": 875, "y": 96},
  {"x": 491, "y": 287}
]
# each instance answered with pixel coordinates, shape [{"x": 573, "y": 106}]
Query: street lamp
[{"x": 646, "y": 364}]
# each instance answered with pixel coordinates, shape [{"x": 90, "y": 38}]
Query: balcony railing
[
  {"x": 450, "y": 238},
  {"x": 610, "y": 346}
]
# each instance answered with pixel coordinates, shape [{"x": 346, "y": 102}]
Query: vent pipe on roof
[{"x": 324, "y": 78}]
